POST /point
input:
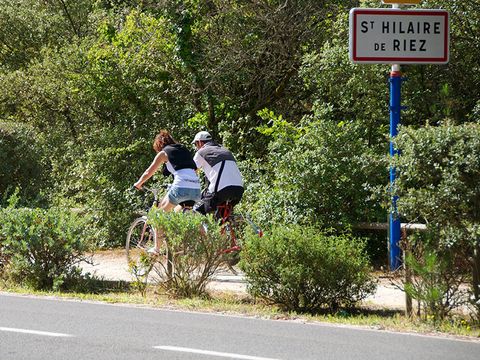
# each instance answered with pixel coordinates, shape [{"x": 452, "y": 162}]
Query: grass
[{"x": 114, "y": 292}]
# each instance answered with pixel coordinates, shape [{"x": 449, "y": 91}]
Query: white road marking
[
  {"x": 34, "y": 332},
  {"x": 212, "y": 353}
]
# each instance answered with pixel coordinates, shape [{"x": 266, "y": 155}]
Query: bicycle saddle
[{"x": 188, "y": 203}]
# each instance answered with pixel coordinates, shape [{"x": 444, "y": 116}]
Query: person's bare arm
[{"x": 159, "y": 160}]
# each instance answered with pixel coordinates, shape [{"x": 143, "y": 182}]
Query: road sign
[
  {"x": 405, "y": 2},
  {"x": 393, "y": 36}
]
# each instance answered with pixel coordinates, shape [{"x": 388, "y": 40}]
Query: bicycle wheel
[
  {"x": 140, "y": 238},
  {"x": 235, "y": 229}
]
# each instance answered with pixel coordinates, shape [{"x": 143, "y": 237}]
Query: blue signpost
[
  {"x": 394, "y": 219},
  {"x": 397, "y": 36}
]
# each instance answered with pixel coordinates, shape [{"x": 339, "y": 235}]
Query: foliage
[
  {"x": 98, "y": 104},
  {"x": 434, "y": 92},
  {"x": 351, "y": 93},
  {"x": 195, "y": 245},
  {"x": 323, "y": 177},
  {"x": 42, "y": 247},
  {"x": 30, "y": 25},
  {"x": 96, "y": 181},
  {"x": 23, "y": 162},
  {"x": 131, "y": 75},
  {"x": 439, "y": 168},
  {"x": 436, "y": 280},
  {"x": 431, "y": 93},
  {"x": 141, "y": 271},
  {"x": 240, "y": 57},
  {"x": 304, "y": 269}
]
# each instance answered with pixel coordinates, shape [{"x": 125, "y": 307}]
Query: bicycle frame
[
  {"x": 224, "y": 212},
  {"x": 155, "y": 193}
]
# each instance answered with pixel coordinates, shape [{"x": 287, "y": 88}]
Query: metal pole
[{"x": 394, "y": 221}]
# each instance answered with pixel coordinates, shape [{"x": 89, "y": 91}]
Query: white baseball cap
[{"x": 202, "y": 136}]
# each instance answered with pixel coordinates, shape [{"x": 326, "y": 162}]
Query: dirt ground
[{"x": 112, "y": 265}]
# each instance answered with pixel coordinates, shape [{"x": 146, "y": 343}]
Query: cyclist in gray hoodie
[{"x": 221, "y": 170}]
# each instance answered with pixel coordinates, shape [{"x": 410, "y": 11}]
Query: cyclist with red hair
[{"x": 177, "y": 161}]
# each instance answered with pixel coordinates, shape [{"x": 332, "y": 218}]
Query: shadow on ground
[{"x": 95, "y": 285}]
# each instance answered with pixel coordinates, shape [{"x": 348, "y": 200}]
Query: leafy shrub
[
  {"x": 195, "y": 245},
  {"x": 437, "y": 184},
  {"x": 323, "y": 177},
  {"x": 22, "y": 160},
  {"x": 307, "y": 270},
  {"x": 42, "y": 247},
  {"x": 439, "y": 168},
  {"x": 436, "y": 280},
  {"x": 141, "y": 269}
]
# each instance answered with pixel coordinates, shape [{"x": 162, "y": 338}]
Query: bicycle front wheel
[{"x": 140, "y": 237}]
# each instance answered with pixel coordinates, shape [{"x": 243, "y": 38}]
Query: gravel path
[{"x": 112, "y": 265}]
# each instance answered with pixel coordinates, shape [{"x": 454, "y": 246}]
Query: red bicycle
[{"x": 142, "y": 236}]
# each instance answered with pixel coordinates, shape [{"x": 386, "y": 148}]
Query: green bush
[
  {"x": 438, "y": 184},
  {"x": 323, "y": 177},
  {"x": 435, "y": 281},
  {"x": 195, "y": 245},
  {"x": 95, "y": 178},
  {"x": 307, "y": 270},
  {"x": 23, "y": 162},
  {"x": 42, "y": 247}
]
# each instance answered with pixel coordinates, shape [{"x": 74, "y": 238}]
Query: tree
[
  {"x": 23, "y": 163},
  {"x": 27, "y": 26},
  {"x": 434, "y": 92},
  {"x": 244, "y": 56}
]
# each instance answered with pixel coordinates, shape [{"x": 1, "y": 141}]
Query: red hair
[{"x": 162, "y": 139}]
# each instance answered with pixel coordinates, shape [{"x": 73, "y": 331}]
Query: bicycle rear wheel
[{"x": 235, "y": 229}]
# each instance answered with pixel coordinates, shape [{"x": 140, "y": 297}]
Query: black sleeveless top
[{"x": 179, "y": 156}]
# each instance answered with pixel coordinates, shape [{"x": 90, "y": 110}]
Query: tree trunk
[
  {"x": 476, "y": 274},
  {"x": 408, "y": 274},
  {"x": 212, "y": 120}
]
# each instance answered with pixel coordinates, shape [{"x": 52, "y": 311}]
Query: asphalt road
[{"x": 42, "y": 328}]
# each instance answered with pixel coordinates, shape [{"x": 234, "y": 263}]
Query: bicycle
[{"x": 141, "y": 236}]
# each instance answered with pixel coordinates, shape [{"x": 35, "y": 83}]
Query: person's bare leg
[{"x": 165, "y": 205}]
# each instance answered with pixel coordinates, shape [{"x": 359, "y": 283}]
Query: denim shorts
[{"x": 176, "y": 195}]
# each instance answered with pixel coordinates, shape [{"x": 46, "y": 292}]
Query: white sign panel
[
  {"x": 393, "y": 36},
  {"x": 405, "y": 2}
]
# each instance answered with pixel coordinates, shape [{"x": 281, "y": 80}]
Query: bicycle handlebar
[
  {"x": 145, "y": 188},
  {"x": 155, "y": 192}
]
